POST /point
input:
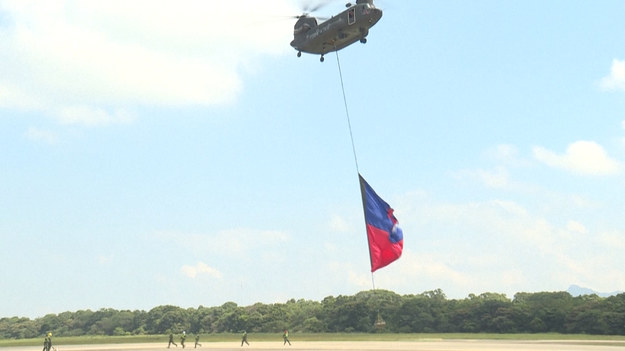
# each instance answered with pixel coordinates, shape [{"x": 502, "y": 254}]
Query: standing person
[
  {"x": 286, "y": 337},
  {"x": 171, "y": 340},
  {"x": 47, "y": 342},
  {"x": 182, "y": 337},
  {"x": 244, "y": 339},
  {"x": 197, "y": 341}
]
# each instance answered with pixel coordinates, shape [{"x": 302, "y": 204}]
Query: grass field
[{"x": 326, "y": 337}]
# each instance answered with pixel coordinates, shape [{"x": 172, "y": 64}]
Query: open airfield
[{"x": 424, "y": 345}]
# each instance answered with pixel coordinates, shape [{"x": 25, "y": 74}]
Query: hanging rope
[
  {"x": 351, "y": 135},
  {"x": 349, "y": 123}
]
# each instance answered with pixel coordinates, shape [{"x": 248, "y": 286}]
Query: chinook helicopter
[{"x": 337, "y": 32}]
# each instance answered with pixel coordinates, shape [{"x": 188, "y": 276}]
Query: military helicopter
[{"x": 337, "y": 32}]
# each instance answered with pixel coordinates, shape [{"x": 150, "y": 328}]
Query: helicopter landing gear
[
  {"x": 363, "y": 40},
  {"x": 321, "y": 58},
  {"x": 299, "y": 54}
]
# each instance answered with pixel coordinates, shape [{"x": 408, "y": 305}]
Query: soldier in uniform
[
  {"x": 171, "y": 340},
  {"x": 244, "y": 339},
  {"x": 47, "y": 342},
  {"x": 285, "y": 336}
]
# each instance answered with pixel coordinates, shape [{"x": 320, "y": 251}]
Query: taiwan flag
[{"x": 386, "y": 240}]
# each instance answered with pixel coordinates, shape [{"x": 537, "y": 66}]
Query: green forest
[{"x": 366, "y": 312}]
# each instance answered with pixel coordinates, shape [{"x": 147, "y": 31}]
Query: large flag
[{"x": 386, "y": 239}]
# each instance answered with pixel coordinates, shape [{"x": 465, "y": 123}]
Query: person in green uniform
[
  {"x": 47, "y": 342},
  {"x": 171, "y": 340},
  {"x": 285, "y": 336},
  {"x": 182, "y": 337},
  {"x": 197, "y": 341},
  {"x": 244, "y": 339}
]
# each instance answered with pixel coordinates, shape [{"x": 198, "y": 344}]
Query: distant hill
[{"x": 576, "y": 290}]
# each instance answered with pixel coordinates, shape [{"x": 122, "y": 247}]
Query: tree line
[{"x": 364, "y": 312}]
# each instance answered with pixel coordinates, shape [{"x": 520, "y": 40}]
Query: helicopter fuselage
[{"x": 342, "y": 30}]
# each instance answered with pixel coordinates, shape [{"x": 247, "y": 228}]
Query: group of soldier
[
  {"x": 285, "y": 336},
  {"x": 183, "y": 336},
  {"x": 47, "y": 342}
]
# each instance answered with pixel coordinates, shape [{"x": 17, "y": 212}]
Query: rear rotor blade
[{"x": 314, "y": 7}]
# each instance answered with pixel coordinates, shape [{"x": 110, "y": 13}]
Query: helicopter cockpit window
[
  {"x": 302, "y": 29},
  {"x": 304, "y": 25}
]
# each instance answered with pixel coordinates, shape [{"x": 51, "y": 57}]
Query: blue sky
[{"x": 180, "y": 153}]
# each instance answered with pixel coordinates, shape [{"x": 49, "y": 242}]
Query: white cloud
[
  {"x": 577, "y": 201},
  {"x": 505, "y": 246},
  {"x": 273, "y": 236},
  {"x": 61, "y": 54},
  {"x": 506, "y": 154},
  {"x": 614, "y": 239},
  {"x": 576, "y": 227},
  {"x": 510, "y": 207},
  {"x": 233, "y": 243},
  {"x": 105, "y": 259},
  {"x": 14, "y": 98},
  {"x": 339, "y": 224},
  {"x": 616, "y": 79},
  {"x": 200, "y": 268},
  {"x": 514, "y": 277},
  {"x": 359, "y": 279},
  {"x": 422, "y": 272},
  {"x": 92, "y": 117},
  {"x": 621, "y": 140},
  {"x": 498, "y": 178},
  {"x": 41, "y": 135},
  {"x": 582, "y": 157}
]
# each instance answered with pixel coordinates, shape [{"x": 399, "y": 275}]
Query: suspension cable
[{"x": 349, "y": 123}]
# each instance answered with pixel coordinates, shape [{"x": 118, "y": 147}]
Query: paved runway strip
[{"x": 420, "y": 345}]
